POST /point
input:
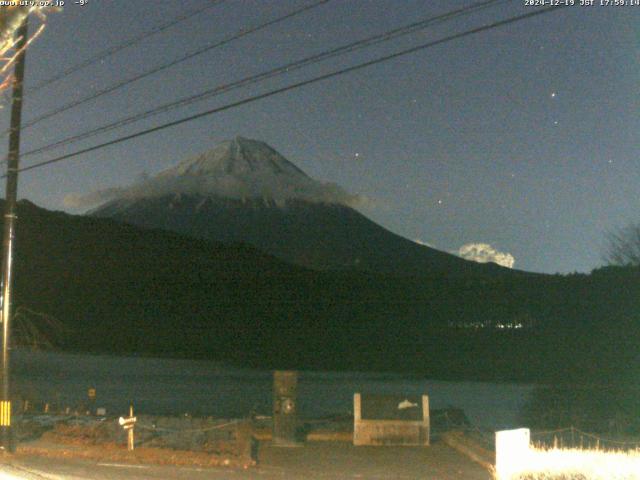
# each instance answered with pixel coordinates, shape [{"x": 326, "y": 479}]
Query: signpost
[{"x": 128, "y": 424}]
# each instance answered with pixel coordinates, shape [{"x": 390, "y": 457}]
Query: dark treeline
[{"x": 120, "y": 289}]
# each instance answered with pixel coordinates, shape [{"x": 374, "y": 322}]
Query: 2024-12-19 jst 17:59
[{"x": 582, "y": 3}]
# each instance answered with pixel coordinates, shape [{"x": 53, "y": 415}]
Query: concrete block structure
[{"x": 391, "y": 420}]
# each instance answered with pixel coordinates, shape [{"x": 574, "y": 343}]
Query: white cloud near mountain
[
  {"x": 248, "y": 187},
  {"x": 238, "y": 169},
  {"x": 485, "y": 253}
]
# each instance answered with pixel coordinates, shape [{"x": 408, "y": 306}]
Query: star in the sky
[{"x": 554, "y": 94}]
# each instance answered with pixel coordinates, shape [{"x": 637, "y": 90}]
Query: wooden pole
[
  {"x": 8, "y": 238},
  {"x": 130, "y": 437}
]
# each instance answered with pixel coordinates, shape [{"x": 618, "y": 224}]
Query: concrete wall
[{"x": 381, "y": 431}]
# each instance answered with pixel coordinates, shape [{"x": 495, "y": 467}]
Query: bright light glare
[
  {"x": 8, "y": 476},
  {"x": 540, "y": 463}
]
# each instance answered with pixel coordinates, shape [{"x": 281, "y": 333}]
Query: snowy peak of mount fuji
[
  {"x": 238, "y": 157},
  {"x": 238, "y": 169}
]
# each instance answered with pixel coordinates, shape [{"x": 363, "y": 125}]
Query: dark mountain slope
[
  {"x": 118, "y": 288},
  {"x": 319, "y": 236},
  {"x": 245, "y": 191}
]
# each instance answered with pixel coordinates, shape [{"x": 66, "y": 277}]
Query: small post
[
  {"x": 512, "y": 452},
  {"x": 130, "y": 437},
  {"x": 244, "y": 441},
  {"x": 91, "y": 404}
]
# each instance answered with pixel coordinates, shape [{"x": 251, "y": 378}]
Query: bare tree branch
[
  {"x": 624, "y": 246},
  {"x": 37, "y": 330}
]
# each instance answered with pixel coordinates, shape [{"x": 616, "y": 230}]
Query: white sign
[
  {"x": 512, "y": 451},
  {"x": 127, "y": 422}
]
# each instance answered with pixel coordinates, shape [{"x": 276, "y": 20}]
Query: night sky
[{"x": 525, "y": 137}]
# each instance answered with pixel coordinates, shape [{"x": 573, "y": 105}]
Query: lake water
[{"x": 202, "y": 388}]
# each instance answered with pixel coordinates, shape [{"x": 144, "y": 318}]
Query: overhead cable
[
  {"x": 296, "y": 85},
  {"x": 272, "y": 73}
]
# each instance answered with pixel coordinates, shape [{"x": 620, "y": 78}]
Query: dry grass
[
  {"x": 141, "y": 455},
  {"x": 574, "y": 464},
  {"x": 96, "y": 442}
]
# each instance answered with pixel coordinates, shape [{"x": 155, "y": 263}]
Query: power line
[
  {"x": 160, "y": 68},
  {"x": 284, "y": 69},
  {"x": 296, "y": 85},
  {"x": 124, "y": 45}
]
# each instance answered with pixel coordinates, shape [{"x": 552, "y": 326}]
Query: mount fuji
[{"x": 243, "y": 191}]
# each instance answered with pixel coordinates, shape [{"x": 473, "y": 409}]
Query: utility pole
[{"x": 8, "y": 237}]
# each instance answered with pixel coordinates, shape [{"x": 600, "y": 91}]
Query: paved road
[{"x": 322, "y": 460}]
